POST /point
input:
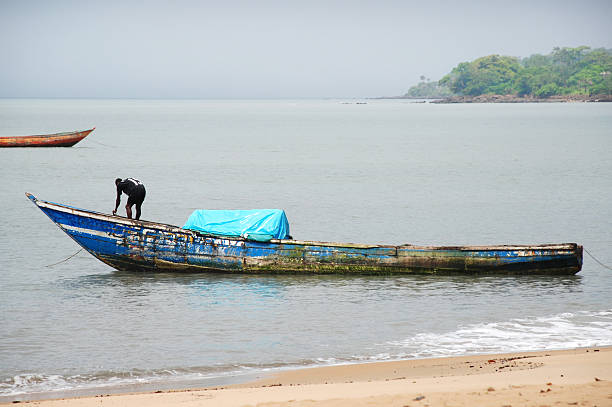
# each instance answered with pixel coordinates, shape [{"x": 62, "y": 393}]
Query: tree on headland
[
  {"x": 493, "y": 74},
  {"x": 565, "y": 71},
  {"x": 426, "y": 89}
]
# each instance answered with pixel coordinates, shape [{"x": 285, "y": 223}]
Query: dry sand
[{"x": 579, "y": 377}]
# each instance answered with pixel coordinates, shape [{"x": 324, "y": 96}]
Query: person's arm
[{"x": 118, "y": 201}]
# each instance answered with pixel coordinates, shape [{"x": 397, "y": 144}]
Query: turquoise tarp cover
[{"x": 254, "y": 224}]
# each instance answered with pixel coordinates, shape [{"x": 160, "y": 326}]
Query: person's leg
[
  {"x": 128, "y": 207},
  {"x": 139, "y": 199},
  {"x": 138, "y": 210},
  {"x": 128, "y": 210}
]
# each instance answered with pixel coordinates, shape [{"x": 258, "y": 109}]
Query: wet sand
[{"x": 576, "y": 377}]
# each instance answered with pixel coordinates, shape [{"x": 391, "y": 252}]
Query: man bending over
[{"x": 135, "y": 191}]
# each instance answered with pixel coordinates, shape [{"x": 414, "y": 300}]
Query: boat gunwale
[
  {"x": 175, "y": 229},
  {"x": 62, "y": 134}
]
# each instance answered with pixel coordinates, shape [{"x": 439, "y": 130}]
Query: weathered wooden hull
[
  {"x": 47, "y": 140},
  {"x": 126, "y": 244}
]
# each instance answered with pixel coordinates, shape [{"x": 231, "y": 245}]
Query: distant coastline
[
  {"x": 523, "y": 99},
  {"x": 506, "y": 99},
  {"x": 509, "y": 99},
  {"x": 566, "y": 74}
]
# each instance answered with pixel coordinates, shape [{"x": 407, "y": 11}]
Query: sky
[{"x": 235, "y": 49}]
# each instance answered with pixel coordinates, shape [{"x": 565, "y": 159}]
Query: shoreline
[
  {"x": 510, "y": 99},
  {"x": 581, "y": 376}
]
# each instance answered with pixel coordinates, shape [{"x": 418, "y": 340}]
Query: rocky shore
[{"x": 523, "y": 99}]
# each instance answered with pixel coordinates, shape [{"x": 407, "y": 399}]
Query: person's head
[{"x": 117, "y": 181}]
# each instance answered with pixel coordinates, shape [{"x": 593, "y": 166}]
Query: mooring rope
[
  {"x": 593, "y": 257},
  {"x": 102, "y": 144},
  {"x": 66, "y": 259}
]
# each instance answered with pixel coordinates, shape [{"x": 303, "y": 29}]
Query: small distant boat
[
  {"x": 66, "y": 139},
  {"x": 134, "y": 245}
]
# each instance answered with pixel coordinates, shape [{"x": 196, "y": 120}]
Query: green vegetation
[
  {"x": 426, "y": 89},
  {"x": 565, "y": 71}
]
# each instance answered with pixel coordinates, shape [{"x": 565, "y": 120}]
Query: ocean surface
[{"x": 377, "y": 171}]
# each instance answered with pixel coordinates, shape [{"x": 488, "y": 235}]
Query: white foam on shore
[
  {"x": 562, "y": 331},
  {"x": 40, "y": 386}
]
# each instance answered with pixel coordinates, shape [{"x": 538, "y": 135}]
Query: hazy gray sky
[{"x": 271, "y": 49}]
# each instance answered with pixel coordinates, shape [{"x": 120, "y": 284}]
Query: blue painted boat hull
[{"x": 133, "y": 245}]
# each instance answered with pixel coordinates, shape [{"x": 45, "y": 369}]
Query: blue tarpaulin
[{"x": 254, "y": 224}]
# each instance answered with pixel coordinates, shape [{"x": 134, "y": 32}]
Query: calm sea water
[{"x": 381, "y": 172}]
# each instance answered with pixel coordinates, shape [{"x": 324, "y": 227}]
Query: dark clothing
[
  {"x": 137, "y": 197},
  {"x": 132, "y": 188},
  {"x": 135, "y": 191}
]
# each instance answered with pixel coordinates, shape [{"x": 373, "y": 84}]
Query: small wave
[
  {"x": 562, "y": 331},
  {"x": 34, "y": 386},
  {"x": 31, "y": 383}
]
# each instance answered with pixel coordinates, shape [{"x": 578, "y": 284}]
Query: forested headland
[{"x": 566, "y": 73}]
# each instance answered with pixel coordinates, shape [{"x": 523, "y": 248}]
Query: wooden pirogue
[
  {"x": 66, "y": 139},
  {"x": 127, "y": 244}
]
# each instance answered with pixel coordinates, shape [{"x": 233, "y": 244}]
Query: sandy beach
[{"x": 577, "y": 377}]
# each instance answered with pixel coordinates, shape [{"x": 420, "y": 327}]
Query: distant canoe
[
  {"x": 66, "y": 139},
  {"x": 134, "y": 245}
]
